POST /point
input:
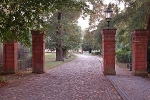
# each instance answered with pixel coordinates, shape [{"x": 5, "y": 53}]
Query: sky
[{"x": 84, "y": 22}]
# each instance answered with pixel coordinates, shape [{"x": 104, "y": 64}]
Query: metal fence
[{"x": 24, "y": 58}]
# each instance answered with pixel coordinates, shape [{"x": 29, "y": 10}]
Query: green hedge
[{"x": 123, "y": 56}]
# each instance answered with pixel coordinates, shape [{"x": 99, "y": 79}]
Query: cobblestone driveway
[{"x": 80, "y": 79}]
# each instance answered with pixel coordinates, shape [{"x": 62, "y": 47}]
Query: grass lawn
[
  {"x": 21, "y": 76},
  {"x": 51, "y": 63}
]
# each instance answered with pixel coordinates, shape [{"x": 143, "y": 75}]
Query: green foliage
[
  {"x": 123, "y": 56},
  {"x": 71, "y": 36},
  {"x": 86, "y": 46},
  {"x": 134, "y": 16},
  {"x": 18, "y": 17},
  {"x": 93, "y": 39},
  {"x": 88, "y": 41},
  {"x": 70, "y": 32},
  {"x": 123, "y": 39}
]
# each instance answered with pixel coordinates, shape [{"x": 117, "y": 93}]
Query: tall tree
[
  {"x": 59, "y": 51},
  {"x": 135, "y": 16},
  {"x": 71, "y": 37},
  {"x": 88, "y": 40},
  {"x": 68, "y": 33},
  {"x": 18, "y": 17}
]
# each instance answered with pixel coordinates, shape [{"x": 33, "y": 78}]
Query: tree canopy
[
  {"x": 135, "y": 15},
  {"x": 18, "y": 17},
  {"x": 71, "y": 32}
]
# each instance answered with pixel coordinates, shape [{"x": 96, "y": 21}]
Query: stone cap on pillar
[
  {"x": 37, "y": 32},
  {"x": 140, "y": 31},
  {"x": 38, "y": 36},
  {"x": 108, "y": 31},
  {"x": 108, "y": 34},
  {"x": 140, "y": 35}
]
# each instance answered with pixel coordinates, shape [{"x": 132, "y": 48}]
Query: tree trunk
[
  {"x": 148, "y": 23},
  {"x": 148, "y": 50},
  {"x": 59, "y": 45},
  {"x": 148, "y": 27},
  {"x": 59, "y": 54},
  {"x": 65, "y": 53}
]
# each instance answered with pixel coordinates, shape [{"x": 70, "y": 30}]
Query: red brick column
[
  {"x": 38, "y": 51},
  {"x": 139, "y": 52},
  {"x": 108, "y": 45},
  {"x": 10, "y": 55}
]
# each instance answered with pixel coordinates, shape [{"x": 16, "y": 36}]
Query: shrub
[{"x": 123, "y": 56}]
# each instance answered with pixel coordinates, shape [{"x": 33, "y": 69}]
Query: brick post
[
  {"x": 139, "y": 52},
  {"x": 38, "y": 51},
  {"x": 108, "y": 45},
  {"x": 10, "y": 55}
]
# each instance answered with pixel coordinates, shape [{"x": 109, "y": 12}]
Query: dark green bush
[{"x": 123, "y": 56}]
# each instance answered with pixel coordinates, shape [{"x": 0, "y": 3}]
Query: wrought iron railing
[{"x": 24, "y": 58}]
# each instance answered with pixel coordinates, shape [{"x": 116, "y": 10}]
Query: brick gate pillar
[
  {"x": 38, "y": 51},
  {"x": 139, "y": 52},
  {"x": 10, "y": 57},
  {"x": 108, "y": 45}
]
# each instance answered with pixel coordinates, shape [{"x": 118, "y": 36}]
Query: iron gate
[{"x": 24, "y": 58}]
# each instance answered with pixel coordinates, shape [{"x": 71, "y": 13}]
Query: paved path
[
  {"x": 130, "y": 87},
  {"x": 80, "y": 79}
]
